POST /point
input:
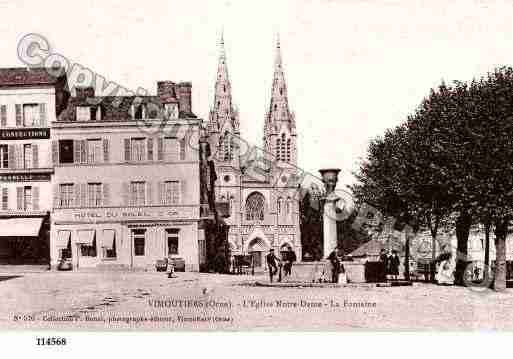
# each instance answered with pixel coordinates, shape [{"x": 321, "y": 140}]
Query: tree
[{"x": 453, "y": 155}]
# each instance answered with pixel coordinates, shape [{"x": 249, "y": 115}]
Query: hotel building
[
  {"x": 29, "y": 101},
  {"x": 130, "y": 184}
]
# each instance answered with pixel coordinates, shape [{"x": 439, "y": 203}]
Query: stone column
[{"x": 330, "y": 178}]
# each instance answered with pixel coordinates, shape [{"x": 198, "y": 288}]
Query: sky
[{"x": 354, "y": 68}]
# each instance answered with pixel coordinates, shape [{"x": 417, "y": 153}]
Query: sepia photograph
[{"x": 288, "y": 166}]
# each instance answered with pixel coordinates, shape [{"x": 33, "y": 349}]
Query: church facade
[{"x": 263, "y": 200}]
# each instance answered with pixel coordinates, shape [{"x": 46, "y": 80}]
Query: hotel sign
[
  {"x": 24, "y": 133},
  {"x": 25, "y": 177},
  {"x": 126, "y": 214}
]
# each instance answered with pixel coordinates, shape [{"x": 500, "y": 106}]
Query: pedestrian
[
  {"x": 272, "y": 261},
  {"x": 394, "y": 265},
  {"x": 335, "y": 265},
  {"x": 383, "y": 258},
  {"x": 290, "y": 258}
]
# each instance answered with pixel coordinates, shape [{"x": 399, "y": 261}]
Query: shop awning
[
  {"x": 20, "y": 227},
  {"x": 108, "y": 239},
  {"x": 86, "y": 237},
  {"x": 63, "y": 238}
]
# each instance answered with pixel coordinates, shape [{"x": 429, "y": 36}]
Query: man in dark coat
[
  {"x": 335, "y": 265},
  {"x": 272, "y": 262},
  {"x": 394, "y": 265},
  {"x": 383, "y": 258},
  {"x": 289, "y": 260}
]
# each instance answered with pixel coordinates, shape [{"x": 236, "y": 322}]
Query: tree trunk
[
  {"x": 501, "y": 230},
  {"x": 463, "y": 224},
  {"x": 408, "y": 235},
  {"x": 487, "y": 245}
]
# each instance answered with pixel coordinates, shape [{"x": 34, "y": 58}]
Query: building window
[
  {"x": 5, "y": 199},
  {"x": 94, "y": 151},
  {"x": 172, "y": 241},
  {"x": 171, "y": 110},
  {"x": 138, "y": 149},
  {"x": 171, "y": 149},
  {"x": 140, "y": 112},
  {"x": 4, "y": 156},
  {"x": 31, "y": 115},
  {"x": 227, "y": 147},
  {"x": 278, "y": 149},
  {"x": 280, "y": 205},
  {"x": 283, "y": 148},
  {"x": 66, "y": 195},
  {"x": 27, "y": 156},
  {"x": 83, "y": 113},
  {"x": 66, "y": 151},
  {"x": 255, "y": 204},
  {"x": 139, "y": 239},
  {"x": 87, "y": 238},
  {"x": 138, "y": 193},
  {"x": 27, "y": 198},
  {"x": 94, "y": 191},
  {"x": 288, "y": 150},
  {"x": 109, "y": 244},
  {"x": 171, "y": 192}
]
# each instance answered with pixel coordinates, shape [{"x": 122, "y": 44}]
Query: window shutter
[
  {"x": 3, "y": 115},
  {"x": 105, "y": 150},
  {"x": 127, "y": 149},
  {"x": 77, "y": 189},
  {"x": 12, "y": 156},
  {"x": 83, "y": 152},
  {"x": 19, "y": 118},
  {"x": 106, "y": 194},
  {"x": 149, "y": 193},
  {"x": 161, "y": 193},
  {"x": 182, "y": 149},
  {"x": 35, "y": 198},
  {"x": 77, "y": 151},
  {"x": 182, "y": 191},
  {"x": 5, "y": 198},
  {"x": 160, "y": 149},
  {"x": 150, "y": 148},
  {"x": 99, "y": 113},
  {"x": 55, "y": 152},
  {"x": 19, "y": 198},
  {"x": 124, "y": 193},
  {"x": 35, "y": 155},
  {"x": 83, "y": 195},
  {"x": 19, "y": 156},
  {"x": 42, "y": 114},
  {"x": 56, "y": 196}
]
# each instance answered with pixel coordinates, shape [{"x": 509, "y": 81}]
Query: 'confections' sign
[{"x": 24, "y": 133}]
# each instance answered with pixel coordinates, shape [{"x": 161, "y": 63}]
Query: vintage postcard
[{"x": 247, "y": 166}]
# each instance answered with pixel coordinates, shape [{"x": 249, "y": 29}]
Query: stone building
[
  {"x": 127, "y": 186},
  {"x": 30, "y": 99},
  {"x": 264, "y": 208}
]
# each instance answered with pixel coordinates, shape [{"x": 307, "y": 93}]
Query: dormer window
[
  {"x": 83, "y": 113},
  {"x": 140, "y": 112},
  {"x": 88, "y": 113},
  {"x": 171, "y": 110}
]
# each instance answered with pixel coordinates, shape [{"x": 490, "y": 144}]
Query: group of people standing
[
  {"x": 273, "y": 262},
  {"x": 391, "y": 263}
]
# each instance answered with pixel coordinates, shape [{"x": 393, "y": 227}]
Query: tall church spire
[
  {"x": 279, "y": 107},
  {"x": 223, "y": 91},
  {"x": 279, "y": 127}
]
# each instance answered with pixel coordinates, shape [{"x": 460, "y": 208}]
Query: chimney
[
  {"x": 84, "y": 92},
  {"x": 184, "y": 90},
  {"x": 166, "y": 91}
]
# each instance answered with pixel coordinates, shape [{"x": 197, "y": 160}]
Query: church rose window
[{"x": 255, "y": 207}]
